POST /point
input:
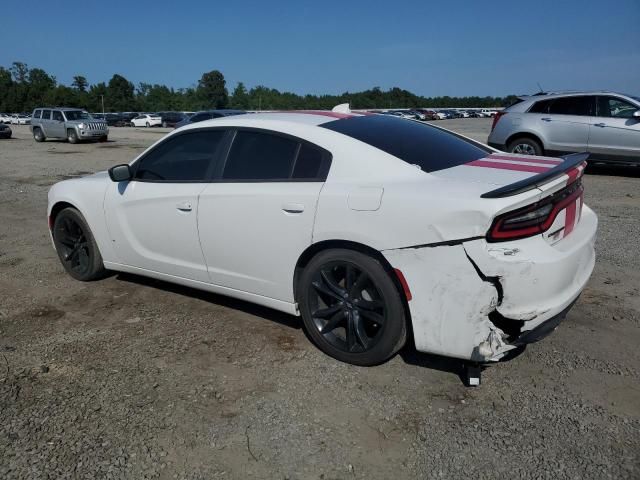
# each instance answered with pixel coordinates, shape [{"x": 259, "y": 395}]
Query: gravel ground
[{"x": 134, "y": 378}]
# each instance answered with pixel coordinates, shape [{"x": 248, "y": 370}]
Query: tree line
[{"x": 22, "y": 89}]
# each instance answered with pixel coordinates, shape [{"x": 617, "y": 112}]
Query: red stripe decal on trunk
[
  {"x": 508, "y": 166},
  {"x": 541, "y": 161}
]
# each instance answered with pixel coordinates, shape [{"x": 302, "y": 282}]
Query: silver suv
[
  {"x": 70, "y": 123},
  {"x": 606, "y": 124}
]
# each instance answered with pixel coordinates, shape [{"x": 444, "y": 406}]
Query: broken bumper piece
[{"x": 477, "y": 300}]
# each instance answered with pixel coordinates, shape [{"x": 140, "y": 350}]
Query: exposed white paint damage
[
  {"x": 456, "y": 287},
  {"x": 451, "y": 303}
]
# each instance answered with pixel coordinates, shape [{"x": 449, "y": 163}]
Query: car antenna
[{"x": 540, "y": 87}]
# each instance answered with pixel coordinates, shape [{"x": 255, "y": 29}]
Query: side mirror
[
  {"x": 120, "y": 173},
  {"x": 636, "y": 114}
]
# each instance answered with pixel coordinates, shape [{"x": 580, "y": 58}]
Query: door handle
[
  {"x": 293, "y": 208},
  {"x": 184, "y": 206},
  {"x": 545, "y": 119},
  {"x": 601, "y": 125}
]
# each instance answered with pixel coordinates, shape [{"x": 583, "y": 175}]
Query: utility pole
[
  {"x": 259, "y": 103},
  {"x": 102, "y": 99}
]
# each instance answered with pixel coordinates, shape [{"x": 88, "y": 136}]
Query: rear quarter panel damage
[{"x": 451, "y": 303}]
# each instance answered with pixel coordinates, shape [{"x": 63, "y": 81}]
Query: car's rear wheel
[
  {"x": 164, "y": 125},
  {"x": 148, "y": 125},
  {"x": 525, "y": 146},
  {"x": 38, "y": 136},
  {"x": 72, "y": 137},
  {"x": 76, "y": 247},
  {"x": 351, "y": 308}
]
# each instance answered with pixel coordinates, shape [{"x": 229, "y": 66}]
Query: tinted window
[
  {"x": 260, "y": 156},
  {"x": 571, "y": 106},
  {"x": 615, "y": 108},
  {"x": 200, "y": 117},
  {"x": 46, "y": 114},
  {"x": 310, "y": 163},
  {"x": 58, "y": 116},
  {"x": 182, "y": 158},
  {"x": 37, "y": 113},
  {"x": 540, "y": 107},
  {"x": 416, "y": 143}
]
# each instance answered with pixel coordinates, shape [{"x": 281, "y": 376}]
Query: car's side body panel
[{"x": 252, "y": 234}]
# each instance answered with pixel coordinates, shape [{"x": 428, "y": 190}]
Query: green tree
[
  {"x": 120, "y": 94},
  {"x": 94, "y": 98},
  {"x": 80, "y": 83},
  {"x": 239, "y": 97},
  {"x": 212, "y": 90}
]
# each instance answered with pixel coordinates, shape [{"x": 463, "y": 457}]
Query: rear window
[{"x": 426, "y": 146}]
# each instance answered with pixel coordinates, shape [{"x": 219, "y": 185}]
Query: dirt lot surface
[{"x": 133, "y": 378}]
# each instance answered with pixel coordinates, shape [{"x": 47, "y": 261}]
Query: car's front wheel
[
  {"x": 38, "y": 136},
  {"x": 525, "y": 146},
  {"x": 72, "y": 136},
  {"x": 76, "y": 247},
  {"x": 351, "y": 308},
  {"x": 148, "y": 125}
]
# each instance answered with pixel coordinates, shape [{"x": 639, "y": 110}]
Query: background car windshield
[
  {"x": 416, "y": 143},
  {"x": 76, "y": 115}
]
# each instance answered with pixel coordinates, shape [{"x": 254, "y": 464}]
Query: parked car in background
[
  {"x": 170, "y": 119},
  {"x": 71, "y": 123},
  {"x": 440, "y": 115},
  {"x": 20, "y": 119},
  {"x": 428, "y": 114},
  {"x": 115, "y": 120},
  {"x": 5, "y": 130},
  {"x": 287, "y": 210},
  {"x": 463, "y": 114},
  {"x": 147, "y": 120},
  {"x": 208, "y": 115},
  {"x": 488, "y": 112},
  {"x": 417, "y": 114},
  {"x": 5, "y": 118},
  {"x": 606, "y": 124},
  {"x": 98, "y": 116},
  {"x": 474, "y": 114}
]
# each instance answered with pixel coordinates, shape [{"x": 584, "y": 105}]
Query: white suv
[{"x": 606, "y": 124}]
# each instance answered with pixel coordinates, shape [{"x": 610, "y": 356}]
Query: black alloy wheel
[
  {"x": 76, "y": 246},
  {"x": 351, "y": 307}
]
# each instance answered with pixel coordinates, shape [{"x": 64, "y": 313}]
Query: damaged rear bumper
[{"x": 477, "y": 300}]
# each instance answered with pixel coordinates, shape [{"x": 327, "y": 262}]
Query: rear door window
[
  {"x": 183, "y": 158},
  {"x": 426, "y": 146},
  {"x": 46, "y": 114},
  {"x": 581, "y": 106},
  {"x": 613, "y": 107},
  {"x": 260, "y": 156},
  {"x": 37, "y": 113}
]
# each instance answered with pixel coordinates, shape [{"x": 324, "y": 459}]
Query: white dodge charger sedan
[{"x": 373, "y": 229}]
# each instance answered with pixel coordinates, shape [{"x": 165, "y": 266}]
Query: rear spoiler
[{"x": 570, "y": 161}]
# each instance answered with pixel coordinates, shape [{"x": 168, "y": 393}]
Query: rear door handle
[
  {"x": 545, "y": 119},
  {"x": 601, "y": 125},
  {"x": 184, "y": 206},
  {"x": 293, "y": 208}
]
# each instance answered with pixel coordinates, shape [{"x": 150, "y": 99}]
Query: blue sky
[{"x": 454, "y": 47}]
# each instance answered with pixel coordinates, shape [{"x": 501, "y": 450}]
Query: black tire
[
  {"x": 148, "y": 125},
  {"x": 76, "y": 247},
  {"x": 104, "y": 138},
  {"x": 72, "y": 137},
  {"x": 363, "y": 324},
  {"x": 164, "y": 125},
  {"x": 38, "y": 135},
  {"x": 525, "y": 146}
]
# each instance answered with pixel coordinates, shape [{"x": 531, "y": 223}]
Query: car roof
[
  {"x": 298, "y": 117},
  {"x": 545, "y": 96}
]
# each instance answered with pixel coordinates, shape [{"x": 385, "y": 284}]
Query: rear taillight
[
  {"x": 497, "y": 117},
  {"x": 533, "y": 219}
]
